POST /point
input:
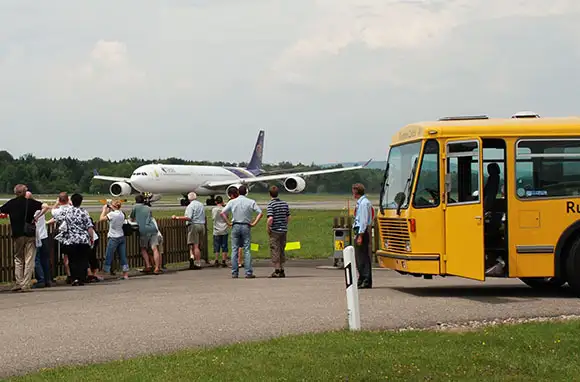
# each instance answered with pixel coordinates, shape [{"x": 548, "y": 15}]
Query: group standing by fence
[{"x": 76, "y": 235}]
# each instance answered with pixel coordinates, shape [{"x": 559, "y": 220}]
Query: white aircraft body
[{"x": 156, "y": 179}]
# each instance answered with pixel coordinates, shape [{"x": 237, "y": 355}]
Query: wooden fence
[{"x": 174, "y": 248}]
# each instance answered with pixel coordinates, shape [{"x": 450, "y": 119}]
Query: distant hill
[{"x": 378, "y": 165}]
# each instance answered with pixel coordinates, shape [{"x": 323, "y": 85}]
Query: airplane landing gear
[
  {"x": 210, "y": 201},
  {"x": 184, "y": 202}
]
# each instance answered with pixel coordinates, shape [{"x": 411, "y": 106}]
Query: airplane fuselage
[{"x": 181, "y": 179}]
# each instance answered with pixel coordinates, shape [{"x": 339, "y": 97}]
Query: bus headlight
[{"x": 408, "y": 246}]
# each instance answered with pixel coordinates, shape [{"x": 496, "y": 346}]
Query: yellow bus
[{"x": 477, "y": 197}]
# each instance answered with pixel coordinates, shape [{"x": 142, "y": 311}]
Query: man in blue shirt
[
  {"x": 242, "y": 209},
  {"x": 363, "y": 216}
]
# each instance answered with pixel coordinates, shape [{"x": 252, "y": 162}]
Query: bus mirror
[{"x": 400, "y": 199}]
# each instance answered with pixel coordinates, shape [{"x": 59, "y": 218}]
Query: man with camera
[{"x": 23, "y": 224}]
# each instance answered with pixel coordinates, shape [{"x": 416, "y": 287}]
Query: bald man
[{"x": 22, "y": 222}]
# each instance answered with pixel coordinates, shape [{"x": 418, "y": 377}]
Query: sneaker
[
  {"x": 252, "y": 276},
  {"x": 282, "y": 274},
  {"x": 224, "y": 265},
  {"x": 216, "y": 264},
  {"x": 191, "y": 263},
  {"x": 235, "y": 276},
  {"x": 275, "y": 274}
]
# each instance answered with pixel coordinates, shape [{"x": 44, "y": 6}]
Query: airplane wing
[
  {"x": 109, "y": 178},
  {"x": 112, "y": 178},
  {"x": 266, "y": 178}
]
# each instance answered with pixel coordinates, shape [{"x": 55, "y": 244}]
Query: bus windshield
[{"x": 399, "y": 174}]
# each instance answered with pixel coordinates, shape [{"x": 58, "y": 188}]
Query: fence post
[{"x": 351, "y": 280}]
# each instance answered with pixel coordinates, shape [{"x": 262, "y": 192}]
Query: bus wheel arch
[
  {"x": 564, "y": 249},
  {"x": 573, "y": 266}
]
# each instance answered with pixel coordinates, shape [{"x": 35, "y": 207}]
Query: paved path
[{"x": 99, "y": 322}]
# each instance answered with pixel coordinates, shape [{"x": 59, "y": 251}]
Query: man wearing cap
[{"x": 195, "y": 221}]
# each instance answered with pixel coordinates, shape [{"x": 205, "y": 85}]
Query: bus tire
[
  {"x": 573, "y": 267},
  {"x": 543, "y": 282}
]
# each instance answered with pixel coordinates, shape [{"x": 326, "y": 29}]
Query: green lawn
[
  {"x": 312, "y": 228},
  {"x": 527, "y": 352},
  {"x": 172, "y": 199}
]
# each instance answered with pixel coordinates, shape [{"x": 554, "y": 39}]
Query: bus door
[{"x": 464, "y": 219}]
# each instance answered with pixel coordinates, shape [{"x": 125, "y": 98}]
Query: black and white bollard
[{"x": 351, "y": 279}]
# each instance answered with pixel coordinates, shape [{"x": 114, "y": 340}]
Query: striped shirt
[{"x": 279, "y": 211}]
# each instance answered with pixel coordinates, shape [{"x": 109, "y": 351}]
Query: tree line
[{"x": 52, "y": 175}]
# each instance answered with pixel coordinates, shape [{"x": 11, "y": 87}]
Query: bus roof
[{"x": 484, "y": 127}]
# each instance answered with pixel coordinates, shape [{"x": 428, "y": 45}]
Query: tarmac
[{"x": 116, "y": 319}]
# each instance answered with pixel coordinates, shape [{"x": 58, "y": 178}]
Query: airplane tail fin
[{"x": 255, "y": 165}]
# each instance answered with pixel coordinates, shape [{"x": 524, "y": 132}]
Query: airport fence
[{"x": 174, "y": 248}]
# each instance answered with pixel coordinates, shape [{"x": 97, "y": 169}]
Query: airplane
[{"x": 153, "y": 180}]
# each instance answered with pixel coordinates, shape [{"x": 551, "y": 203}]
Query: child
[{"x": 220, "y": 233}]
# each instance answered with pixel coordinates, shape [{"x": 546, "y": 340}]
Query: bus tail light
[{"x": 412, "y": 225}]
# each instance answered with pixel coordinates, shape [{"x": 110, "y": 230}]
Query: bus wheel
[
  {"x": 573, "y": 267},
  {"x": 543, "y": 282}
]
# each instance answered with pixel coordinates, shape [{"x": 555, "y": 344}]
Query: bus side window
[{"x": 427, "y": 190}]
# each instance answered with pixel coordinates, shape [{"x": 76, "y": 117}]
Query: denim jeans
[
  {"x": 241, "y": 238},
  {"x": 42, "y": 263},
  {"x": 118, "y": 244}
]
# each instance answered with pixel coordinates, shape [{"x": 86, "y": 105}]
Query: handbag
[
  {"x": 29, "y": 228},
  {"x": 128, "y": 228}
]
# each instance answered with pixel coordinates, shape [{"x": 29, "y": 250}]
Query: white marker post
[{"x": 351, "y": 279}]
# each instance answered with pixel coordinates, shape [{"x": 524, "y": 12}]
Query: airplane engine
[
  {"x": 294, "y": 184},
  {"x": 120, "y": 189}
]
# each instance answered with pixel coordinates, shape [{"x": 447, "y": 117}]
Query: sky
[{"x": 328, "y": 80}]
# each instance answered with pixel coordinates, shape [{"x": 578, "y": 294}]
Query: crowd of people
[{"x": 77, "y": 240}]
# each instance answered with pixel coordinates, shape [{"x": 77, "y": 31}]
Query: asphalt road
[{"x": 155, "y": 314}]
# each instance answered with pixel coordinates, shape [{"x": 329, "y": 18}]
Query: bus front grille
[{"x": 394, "y": 234}]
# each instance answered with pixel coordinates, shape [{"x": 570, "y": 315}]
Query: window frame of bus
[
  {"x": 419, "y": 172},
  {"x": 463, "y": 154},
  {"x": 541, "y": 156}
]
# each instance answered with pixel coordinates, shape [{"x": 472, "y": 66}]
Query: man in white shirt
[
  {"x": 220, "y": 232},
  {"x": 42, "y": 260}
]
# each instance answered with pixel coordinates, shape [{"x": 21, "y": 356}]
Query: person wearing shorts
[
  {"x": 220, "y": 233},
  {"x": 195, "y": 221},
  {"x": 278, "y": 214},
  {"x": 148, "y": 234}
]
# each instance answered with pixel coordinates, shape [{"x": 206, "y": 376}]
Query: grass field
[
  {"x": 526, "y": 352},
  {"x": 312, "y": 228},
  {"x": 173, "y": 199}
]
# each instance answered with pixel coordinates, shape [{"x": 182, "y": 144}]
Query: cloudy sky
[{"x": 329, "y": 80}]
